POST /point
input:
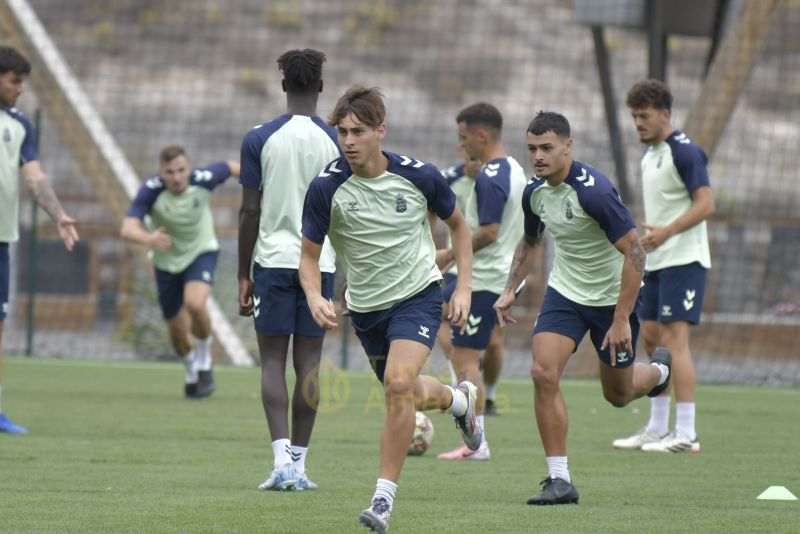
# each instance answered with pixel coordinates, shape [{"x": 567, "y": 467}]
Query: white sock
[
  {"x": 659, "y": 415},
  {"x": 385, "y": 489},
  {"x": 664, "y": 372},
  {"x": 557, "y": 467},
  {"x": 203, "y": 349},
  {"x": 684, "y": 419},
  {"x": 490, "y": 391},
  {"x": 453, "y": 377},
  {"x": 190, "y": 367},
  {"x": 299, "y": 459},
  {"x": 480, "y": 422},
  {"x": 282, "y": 449},
  {"x": 459, "y": 405}
]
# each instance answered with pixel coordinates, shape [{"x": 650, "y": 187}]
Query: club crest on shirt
[
  {"x": 568, "y": 213},
  {"x": 352, "y": 205},
  {"x": 400, "y": 204},
  {"x": 541, "y": 208},
  {"x": 6, "y": 135}
]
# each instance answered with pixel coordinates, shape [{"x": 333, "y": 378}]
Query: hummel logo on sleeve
[
  {"x": 586, "y": 180},
  {"x": 406, "y": 161},
  {"x": 332, "y": 168},
  {"x": 491, "y": 169}
]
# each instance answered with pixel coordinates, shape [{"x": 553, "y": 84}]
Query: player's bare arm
[
  {"x": 234, "y": 167},
  {"x": 701, "y": 209},
  {"x": 249, "y": 217},
  {"x": 458, "y": 308},
  {"x": 322, "y": 309},
  {"x": 37, "y": 181},
  {"x": 619, "y": 337},
  {"x": 133, "y": 230},
  {"x": 520, "y": 267},
  {"x": 483, "y": 237}
]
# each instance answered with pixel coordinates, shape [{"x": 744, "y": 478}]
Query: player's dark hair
[
  {"x": 12, "y": 60},
  {"x": 302, "y": 70},
  {"x": 481, "y": 114},
  {"x": 365, "y": 103},
  {"x": 647, "y": 93},
  {"x": 549, "y": 121},
  {"x": 170, "y": 152}
]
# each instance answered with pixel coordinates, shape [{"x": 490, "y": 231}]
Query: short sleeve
[
  {"x": 317, "y": 212},
  {"x": 534, "y": 227},
  {"x": 145, "y": 198},
  {"x": 250, "y": 161},
  {"x": 211, "y": 176}
]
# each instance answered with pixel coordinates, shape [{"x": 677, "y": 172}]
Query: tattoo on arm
[
  {"x": 46, "y": 198},
  {"x": 637, "y": 255},
  {"x": 524, "y": 247}
]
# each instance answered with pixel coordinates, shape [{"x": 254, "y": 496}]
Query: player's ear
[
  {"x": 320, "y": 86},
  {"x": 283, "y": 85}
]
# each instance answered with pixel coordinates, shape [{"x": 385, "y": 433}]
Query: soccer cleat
[
  {"x": 8, "y": 426},
  {"x": 376, "y": 517},
  {"x": 190, "y": 390},
  {"x": 673, "y": 442},
  {"x": 304, "y": 483},
  {"x": 280, "y": 479},
  {"x": 555, "y": 491},
  {"x": 205, "y": 383},
  {"x": 490, "y": 409},
  {"x": 641, "y": 437},
  {"x": 463, "y": 453},
  {"x": 471, "y": 431},
  {"x": 662, "y": 356}
]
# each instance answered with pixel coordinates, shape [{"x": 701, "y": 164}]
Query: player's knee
[
  {"x": 618, "y": 399},
  {"x": 398, "y": 386},
  {"x": 542, "y": 376},
  {"x": 195, "y": 307}
]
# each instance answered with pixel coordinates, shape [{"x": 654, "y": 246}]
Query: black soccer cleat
[
  {"x": 555, "y": 491},
  {"x": 662, "y": 356},
  {"x": 205, "y": 383},
  {"x": 190, "y": 390}
]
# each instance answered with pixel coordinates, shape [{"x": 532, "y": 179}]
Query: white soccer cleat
[
  {"x": 280, "y": 479},
  {"x": 673, "y": 442},
  {"x": 641, "y": 437},
  {"x": 468, "y": 425}
]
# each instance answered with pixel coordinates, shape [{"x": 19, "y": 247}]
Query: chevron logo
[
  {"x": 688, "y": 302},
  {"x": 492, "y": 169},
  {"x": 405, "y": 161},
  {"x": 332, "y": 168},
  {"x": 473, "y": 324},
  {"x": 256, "y": 302},
  {"x": 586, "y": 180}
]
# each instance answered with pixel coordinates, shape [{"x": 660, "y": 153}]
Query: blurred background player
[
  {"x": 279, "y": 160},
  {"x": 373, "y": 206},
  {"x": 20, "y": 157},
  {"x": 495, "y": 220},
  {"x": 184, "y": 251},
  {"x": 461, "y": 179},
  {"x": 593, "y": 286},
  {"x": 677, "y": 202}
]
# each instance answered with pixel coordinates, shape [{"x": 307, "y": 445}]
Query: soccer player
[
  {"x": 20, "y": 157},
  {"x": 461, "y": 179},
  {"x": 184, "y": 250},
  {"x": 495, "y": 220},
  {"x": 593, "y": 286},
  {"x": 677, "y": 202},
  {"x": 372, "y": 204},
  {"x": 279, "y": 160}
]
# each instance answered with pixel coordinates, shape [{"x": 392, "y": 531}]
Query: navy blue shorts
[
  {"x": 560, "y": 315},
  {"x": 674, "y": 294},
  {"x": 5, "y": 280},
  {"x": 417, "y": 318},
  {"x": 171, "y": 286},
  {"x": 280, "y": 307},
  {"x": 481, "y": 319}
]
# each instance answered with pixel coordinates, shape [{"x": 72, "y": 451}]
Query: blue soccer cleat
[
  {"x": 280, "y": 479},
  {"x": 304, "y": 483},
  {"x": 6, "y": 425}
]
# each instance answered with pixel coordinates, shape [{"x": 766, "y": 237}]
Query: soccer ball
[{"x": 423, "y": 435}]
